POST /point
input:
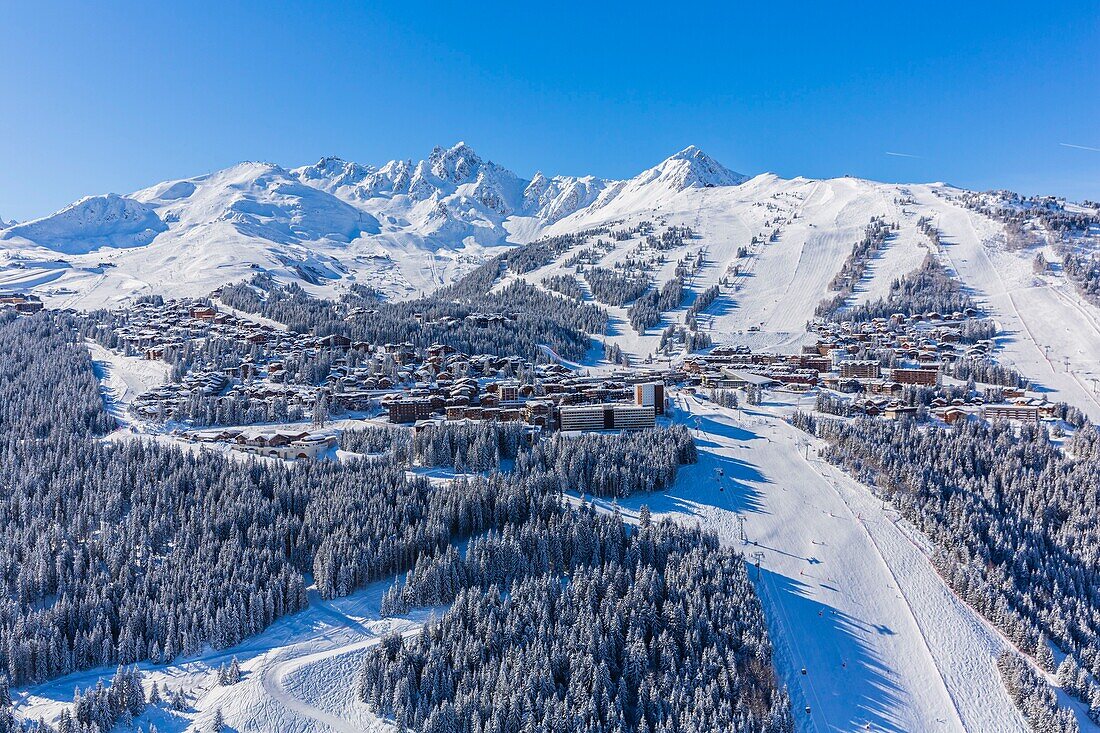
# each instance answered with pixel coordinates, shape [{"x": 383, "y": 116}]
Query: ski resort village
[{"x": 433, "y": 447}]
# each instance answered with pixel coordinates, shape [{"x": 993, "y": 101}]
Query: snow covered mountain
[
  {"x": 91, "y": 223},
  {"x": 773, "y": 246},
  {"x": 404, "y": 227}
]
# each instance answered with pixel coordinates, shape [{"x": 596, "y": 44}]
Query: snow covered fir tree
[{"x": 439, "y": 448}]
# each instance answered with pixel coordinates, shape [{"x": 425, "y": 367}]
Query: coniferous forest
[
  {"x": 123, "y": 550},
  {"x": 570, "y": 620},
  {"x": 118, "y": 550},
  {"x": 574, "y": 622},
  {"x": 1013, "y": 517}
]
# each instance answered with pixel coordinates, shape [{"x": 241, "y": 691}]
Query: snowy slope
[
  {"x": 299, "y": 675},
  {"x": 1052, "y": 333},
  {"x": 124, "y": 377},
  {"x": 91, "y": 223},
  {"x": 780, "y": 282},
  {"x": 849, "y": 595},
  {"x": 405, "y": 227}
]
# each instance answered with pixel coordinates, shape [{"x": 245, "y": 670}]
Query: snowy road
[{"x": 300, "y": 675}]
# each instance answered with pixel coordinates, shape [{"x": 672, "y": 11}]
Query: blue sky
[{"x": 116, "y": 96}]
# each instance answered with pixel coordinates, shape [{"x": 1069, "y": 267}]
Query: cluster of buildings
[
  {"x": 551, "y": 397},
  {"x": 848, "y": 359},
  {"x": 229, "y": 358},
  {"x": 20, "y": 303},
  {"x": 237, "y": 369},
  {"x": 285, "y": 444}
]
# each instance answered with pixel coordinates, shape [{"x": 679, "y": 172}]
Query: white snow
[
  {"x": 403, "y": 228},
  {"x": 299, "y": 674},
  {"x": 124, "y": 377},
  {"x": 848, "y": 587},
  {"x": 850, "y": 596},
  {"x": 1052, "y": 333},
  {"x": 91, "y": 223}
]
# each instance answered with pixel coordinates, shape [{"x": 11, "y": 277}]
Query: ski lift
[
  {"x": 807, "y": 710},
  {"x": 803, "y": 670}
]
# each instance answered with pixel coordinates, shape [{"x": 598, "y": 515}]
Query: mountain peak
[
  {"x": 692, "y": 168},
  {"x": 690, "y": 151},
  {"x": 457, "y": 164},
  {"x": 107, "y": 220}
]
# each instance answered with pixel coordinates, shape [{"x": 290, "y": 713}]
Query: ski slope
[
  {"x": 122, "y": 378},
  {"x": 407, "y": 228},
  {"x": 779, "y": 283},
  {"x": 299, "y": 675},
  {"x": 1052, "y": 335},
  {"x": 848, "y": 589}
]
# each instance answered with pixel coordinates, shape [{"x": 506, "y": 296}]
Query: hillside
[
  {"x": 771, "y": 247},
  {"x": 402, "y": 228}
]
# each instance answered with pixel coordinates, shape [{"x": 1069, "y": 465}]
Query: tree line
[{"x": 1014, "y": 517}]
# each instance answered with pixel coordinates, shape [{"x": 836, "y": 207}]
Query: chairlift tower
[{"x": 758, "y": 556}]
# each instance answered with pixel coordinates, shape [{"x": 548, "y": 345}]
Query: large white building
[
  {"x": 611, "y": 416},
  {"x": 650, "y": 394}
]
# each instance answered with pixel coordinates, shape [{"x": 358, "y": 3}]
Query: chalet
[
  {"x": 928, "y": 377},
  {"x": 1020, "y": 413},
  {"x": 952, "y": 415},
  {"x": 896, "y": 411},
  {"x": 202, "y": 313},
  {"x": 283, "y": 444},
  {"x": 336, "y": 341}
]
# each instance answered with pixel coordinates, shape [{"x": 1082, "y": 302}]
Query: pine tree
[
  {"x": 1067, "y": 676},
  {"x": 1043, "y": 655},
  {"x": 233, "y": 674},
  {"x": 320, "y": 411}
]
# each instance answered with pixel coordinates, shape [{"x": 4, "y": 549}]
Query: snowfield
[
  {"x": 849, "y": 597},
  {"x": 867, "y": 634},
  {"x": 124, "y": 377},
  {"x": 1052, "y": 333},
  {"x": 406, "y": 228},
  {"x": 299, "y": 675}
]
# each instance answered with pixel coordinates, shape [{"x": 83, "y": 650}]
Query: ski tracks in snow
[{"x": 851, "y": 597}]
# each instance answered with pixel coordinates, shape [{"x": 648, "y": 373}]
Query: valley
[{"x": 426, "y": 329}]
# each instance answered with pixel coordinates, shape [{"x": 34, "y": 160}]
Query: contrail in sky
[
  {"x": 1080, "y": 147},
  {"x": 902, "y": 155}
]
